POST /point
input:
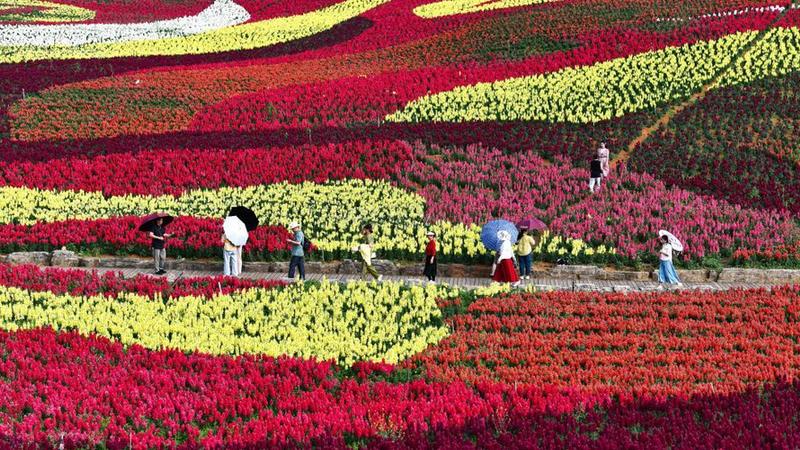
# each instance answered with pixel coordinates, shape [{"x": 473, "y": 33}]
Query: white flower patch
[
  {"x": 220, "y": 14},
  {"x": 738, "y": 12}
]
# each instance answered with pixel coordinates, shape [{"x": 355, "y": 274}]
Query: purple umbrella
[{"x": 531, "y": 223}]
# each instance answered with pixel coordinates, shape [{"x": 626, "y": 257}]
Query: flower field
[{"x": 412, "y": 115}]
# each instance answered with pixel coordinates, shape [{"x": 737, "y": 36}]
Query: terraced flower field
[{"x": 412, "y": 115}]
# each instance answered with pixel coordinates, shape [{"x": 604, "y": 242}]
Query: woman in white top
[
  {"x": 666, "y": 271},
  {"x": 504, "y": 271}
]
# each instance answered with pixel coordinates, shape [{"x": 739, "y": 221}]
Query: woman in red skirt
[{"x": 504, "y": 269}]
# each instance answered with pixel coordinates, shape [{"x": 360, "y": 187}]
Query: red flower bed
[
  {"x": 87, "y": 283},
  {"x": 95, "y": 392},
  {"x": 738, "y": 143},
  {"x": 676, "y": 344},
  {"x": 173, "y": 171}
]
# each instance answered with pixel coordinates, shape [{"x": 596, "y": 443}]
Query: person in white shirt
[
  {"x": 666, "y": 271},
  {"x": 504, "y": 270},
  {"x": 602, "y": 154}
]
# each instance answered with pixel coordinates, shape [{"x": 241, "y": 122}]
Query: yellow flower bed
[
  {"x": 346, "y": 323},
  {"x": 331, "y": 214},
  {"x": 453, "y": 7},
  {"x": 240, "y": 37},
  {"x": 613, "y": 88},
  {"x": 46, "y": 12}
]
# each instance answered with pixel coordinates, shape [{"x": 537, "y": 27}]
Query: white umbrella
[
  {"x": 235, "y": 231},
  {"x": 673, "y": 241}
]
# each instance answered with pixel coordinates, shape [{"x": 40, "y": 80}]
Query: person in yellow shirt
[{"x": 525, "y": 244}]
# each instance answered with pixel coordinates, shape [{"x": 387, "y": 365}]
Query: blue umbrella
[{"x": 490, "y": 230}]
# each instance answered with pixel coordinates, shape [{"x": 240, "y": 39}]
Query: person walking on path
[
  {"x": 230, "y": 258},
  {"x": 298, "y": 255},
  {"x": 525, "y": 244},
  {"x": 159, "y": 235},
  {"x": 596, "y": 170},
  {"x": 365, "y": 249},
  {"x": 666, "y": 270},
  {"x": 602, "y": 154},
  {"x": 430, "y": 257},
  {"x": 504, "y": 264}
]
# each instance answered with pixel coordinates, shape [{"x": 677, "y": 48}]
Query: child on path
[
  {"x": 666, "y": 270},
  {"x": 525, "y": 245},
  {"x": 430, "y": 257},
  {"x": 298, "y": 256},
  {"x": 158, "y": 235}
]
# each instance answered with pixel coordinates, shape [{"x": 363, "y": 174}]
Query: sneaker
[
  {"x": 161, "y": 272},
  {"x": 380, "y": 277},
  {"x": 513, "y": 285}
]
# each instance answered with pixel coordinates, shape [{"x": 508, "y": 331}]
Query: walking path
[{"x": 544, "y": 284}]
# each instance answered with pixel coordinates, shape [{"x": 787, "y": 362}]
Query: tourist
[
  {"x": 504, "y": 263},
  {"x": 297, "y": 261},
  {"x": 430, "y": 257},
  {"x": 596, "y": 174},
  {"x": 525, "y": 245},
  {"x": 159, "y": 235},
  {"x": 230, "y": 258},
  {"x": 365, "y": 249},
  {"x": 666, "y": 271},
  {"x": 602, "y": 153}
]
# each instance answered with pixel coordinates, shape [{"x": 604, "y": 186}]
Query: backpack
[{"x": 306, "y": 244}]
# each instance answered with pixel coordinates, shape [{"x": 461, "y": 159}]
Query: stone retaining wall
[{"x": 64, "y": 258}]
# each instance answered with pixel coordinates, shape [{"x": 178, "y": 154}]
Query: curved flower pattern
[
  {"x": 359, "y": 321},
  {"x": 240, "y": 37},
  {"x": 220, "y": 14},
  {"x": 611, "y": 89}
]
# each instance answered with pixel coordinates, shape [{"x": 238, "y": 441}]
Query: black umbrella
[
  {"x": 246, "y": 215},
  {"x": 149, "y": 222}
]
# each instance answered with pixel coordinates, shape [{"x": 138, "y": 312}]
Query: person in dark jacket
[
  {"x": 159, "y": 236},
  {"x": 596, "y": 170}
]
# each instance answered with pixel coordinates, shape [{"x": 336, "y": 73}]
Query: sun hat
[
  {"x": 294, "y": 225},
  {"x": 430, "y": 233}
]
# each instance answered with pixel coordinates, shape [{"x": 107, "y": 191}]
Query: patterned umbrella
[
  {"x": 489, "y": 233},
  {"x": 531, "y": 223},
  {"x": 673, "y": 241}
]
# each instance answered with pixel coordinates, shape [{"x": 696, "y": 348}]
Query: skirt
[
  {"x": 505, "y": 272},
  {"x": 667, "y": 274}
]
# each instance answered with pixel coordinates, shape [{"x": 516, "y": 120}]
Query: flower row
[
  {"x": 654, "y": 344},
  {"x": 614, "y": 88},
  {"x": 332, "y": 214},
  {"x": 345, "y": 323},
  {"x": 78, "y": 282},
  {"x": 121, "y": 173},
  {"x": 89, "y": 392}
]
